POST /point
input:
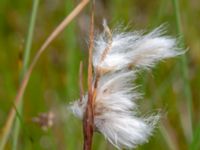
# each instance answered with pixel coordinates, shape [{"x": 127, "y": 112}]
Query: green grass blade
[
  {"x": 30, "y": 35},
  {"x": 196, "y": 139},
  {"x": 24, "y": 68},
  {"x": 184, "y": 70}
]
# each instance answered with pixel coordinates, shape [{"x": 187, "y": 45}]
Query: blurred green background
[{"x": 54, "y": 81}]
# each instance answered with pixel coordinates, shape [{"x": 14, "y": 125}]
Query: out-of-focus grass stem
[
  {"x": 184, "y": 69},
  {"x": 24, "y": 68}
]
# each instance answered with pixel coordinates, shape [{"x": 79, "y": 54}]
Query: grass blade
[
  {"x": 196, "y": 139},
  {"x": 184, "y": 71},
  {"x": 24, "y": 68}
]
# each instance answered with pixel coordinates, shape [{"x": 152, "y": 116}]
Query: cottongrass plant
[{"x": 117, "y": 59}]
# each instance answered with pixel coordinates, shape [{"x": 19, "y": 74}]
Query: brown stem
[
  {"x": 88, "y": 120},
  {"x": 88, "y": 124}
]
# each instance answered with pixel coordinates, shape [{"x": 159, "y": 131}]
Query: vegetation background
[{"x": 172, "y": 87}]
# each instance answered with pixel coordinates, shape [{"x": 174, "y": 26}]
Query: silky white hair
[{"x": 115, "y": 111}]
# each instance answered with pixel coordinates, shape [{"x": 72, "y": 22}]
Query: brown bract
[{"x": 88, "y": 120}]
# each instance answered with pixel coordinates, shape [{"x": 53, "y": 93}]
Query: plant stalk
[
  {"x": 88, "y": 120},
  {"x": 184, "y": 72}
]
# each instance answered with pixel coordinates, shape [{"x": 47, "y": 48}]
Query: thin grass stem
[
  {"x": 184, "y": 70},
  {"x": 26, "y": 59}
]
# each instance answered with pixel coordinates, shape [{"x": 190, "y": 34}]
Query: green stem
[
  {"x": 30, "y": 35},
  {"x": 24, "y": 68},
  {"x": 184, "y": 71}
]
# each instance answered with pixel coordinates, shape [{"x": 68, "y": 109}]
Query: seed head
[{"x": 117, "y": 59}]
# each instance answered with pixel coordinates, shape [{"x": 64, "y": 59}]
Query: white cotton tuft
[
  {"x": 78, "y": 107},
  {"x": 114, "y": 112},
  {"x": 134, "y": 48},
  {"x": 115, "y": 109}
]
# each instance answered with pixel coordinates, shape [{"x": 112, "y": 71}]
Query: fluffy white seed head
[
  {"x": 115, "y": 109},
  {"x": 134, "y": 48}
]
